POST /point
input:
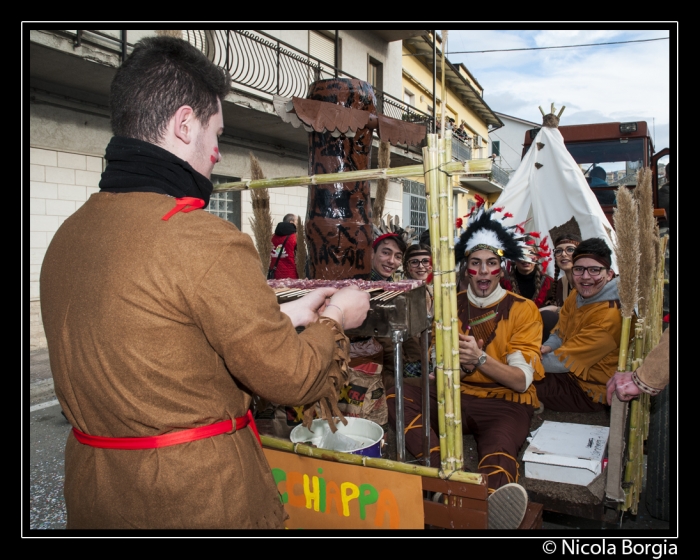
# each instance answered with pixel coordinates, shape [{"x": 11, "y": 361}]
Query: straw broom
[
  {"x": 383, "y": 160},
  {"x": 261, "y": 222},
  {"x": 626, "y": 221},
  {"x": 625, "y": 217},
  {"x": 300, "y": 257}
]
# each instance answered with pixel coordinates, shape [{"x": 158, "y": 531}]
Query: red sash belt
[{"x": 151, "y": 442}]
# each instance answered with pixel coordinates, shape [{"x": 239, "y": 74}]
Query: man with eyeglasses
[{"x": 581, "y": 354}]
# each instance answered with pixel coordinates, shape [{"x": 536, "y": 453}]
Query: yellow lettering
[
  {"x": 312, "y": 495},
  {"x": 348, "y": 491}
]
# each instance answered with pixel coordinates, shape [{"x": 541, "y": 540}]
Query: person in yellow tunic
[
  {"x": 499, "y": 358},
  {"x": 581, "y": 354}
]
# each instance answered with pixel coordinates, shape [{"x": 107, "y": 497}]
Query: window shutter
[{"x": 322, "y": 47}]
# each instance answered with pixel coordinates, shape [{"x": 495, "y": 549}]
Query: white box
[{"x": 564, "y": 452}]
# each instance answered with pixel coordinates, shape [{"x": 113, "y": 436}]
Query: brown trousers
[
  {"x": 499, "y": 428},
  {"x": 561, "y": 392}
]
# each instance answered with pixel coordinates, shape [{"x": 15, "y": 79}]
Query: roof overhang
[
  {"x": 391, "y": 35},
  {"x": 422, "y": 47}
]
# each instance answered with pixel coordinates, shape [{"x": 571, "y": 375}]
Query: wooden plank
[
  {"x": 448, "y": 487},
  {"x": 533, "y": 517},
  {"x": 448, "y": 517}
]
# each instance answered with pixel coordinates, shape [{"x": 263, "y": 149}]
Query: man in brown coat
[{"x": 160, "y": 325}]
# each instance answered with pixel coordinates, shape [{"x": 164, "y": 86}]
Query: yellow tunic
[
  {"x": 518, "y": 329},
  {"x": 591, "y": 343}
]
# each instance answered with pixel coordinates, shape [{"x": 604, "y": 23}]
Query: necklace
[{"x": 483, "y": 326}]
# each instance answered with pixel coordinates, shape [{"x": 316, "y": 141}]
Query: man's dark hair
[
  {"x": 593, "y": 246},
  {"x": 161, "y": 75},
  {"x": 289, "y": 218},
  {"x": 400, "y": 243}
]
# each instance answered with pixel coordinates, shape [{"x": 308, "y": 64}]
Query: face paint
[
  {"x": 471, "y": 272},
  {"x": 494, "y": 272}
]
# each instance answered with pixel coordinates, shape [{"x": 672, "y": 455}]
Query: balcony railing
[
  {"x": 460, "y": 150},
  {"x": 499, "y": 175},
  {"x": 260, "y": 63}
]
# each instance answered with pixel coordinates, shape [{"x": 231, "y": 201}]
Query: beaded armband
[{"x": 643, "y": 386}]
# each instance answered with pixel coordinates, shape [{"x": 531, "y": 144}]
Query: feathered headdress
[
  {"x": 391, "y": 228},
  {"x": 539, "y": 252},
  {"x": 485, "y": 230}
]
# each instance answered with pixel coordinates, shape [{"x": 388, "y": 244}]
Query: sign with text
[{"x": 328, "y": 495}]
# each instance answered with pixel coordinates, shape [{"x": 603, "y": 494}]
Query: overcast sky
[{"x": 607, "y": 83}]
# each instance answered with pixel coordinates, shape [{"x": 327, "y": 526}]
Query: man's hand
[
  {"x": 348, "y": 307},
  {"x": 622, "y": 385},
  {"x": 307, "y": 309},
  {"x": 545, "y": 349},
  {"x": 469, "y": 351}
]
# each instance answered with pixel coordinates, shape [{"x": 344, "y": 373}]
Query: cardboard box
[{"x": 564, "y": 452}]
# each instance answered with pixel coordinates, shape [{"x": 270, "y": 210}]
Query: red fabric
[
  {"x": 185, "y": 204},
  {"x": 166, "y": 440},
  {"x": 287, "y": 267}
]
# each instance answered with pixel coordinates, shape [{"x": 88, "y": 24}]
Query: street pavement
[{"x": 48, "y": 430}]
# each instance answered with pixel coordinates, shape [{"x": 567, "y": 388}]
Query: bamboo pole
[
  {"x": 431, "y": 161},
  {"x": 470, "y": 167},
  {"x": 454, "y": 321},
  {"x": 360, "y": 460},
  {"x": 444, "y": 217}
]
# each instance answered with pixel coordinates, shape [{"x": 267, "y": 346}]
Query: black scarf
[{"x": 137, "y": 166}]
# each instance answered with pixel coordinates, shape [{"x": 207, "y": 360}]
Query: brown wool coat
[{"x": 157, "y": 326}]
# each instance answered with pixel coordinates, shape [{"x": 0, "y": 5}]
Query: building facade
[
  {"x": 70, "y": 72},
  {"x": 506, "y": 143}
]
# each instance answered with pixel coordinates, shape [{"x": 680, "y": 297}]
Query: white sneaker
[{"x": 507, "y": 507}]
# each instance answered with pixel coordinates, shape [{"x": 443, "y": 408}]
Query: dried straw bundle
[
  {"x": 627, "y": 249},
  {"x": 647, "y": 241},
  {"x": 300, "y": 257},
  {"x": 382, "y": 184},
  {"x": 627, "y": 252},
  {"x": 261, "y": 222}
]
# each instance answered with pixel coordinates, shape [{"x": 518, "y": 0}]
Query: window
[
  {"x": 226, "y": 205},
  {"x": 374, "y": 74},
  {"x": 409, "y": 98},
  {"x": 496, "y": 147},
  {"x": 322, "y": 47},
  {"x": 415, "y": 209}
]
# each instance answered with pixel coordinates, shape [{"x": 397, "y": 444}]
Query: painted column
[{"x": 338, "y": 227}]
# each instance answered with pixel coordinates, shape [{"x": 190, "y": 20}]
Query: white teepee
[{"x": 549, "y": 189}]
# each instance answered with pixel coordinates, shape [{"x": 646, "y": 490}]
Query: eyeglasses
[
  {"x": 415, "y": 263},
  {"x": 593, "y": 271},
  {"x": 569, "y": 251}
]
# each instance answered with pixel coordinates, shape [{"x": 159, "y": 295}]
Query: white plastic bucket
[{"x": 367, "y": 436}]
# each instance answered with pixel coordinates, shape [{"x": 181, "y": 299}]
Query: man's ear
[{"x": 183, "y": 121}]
